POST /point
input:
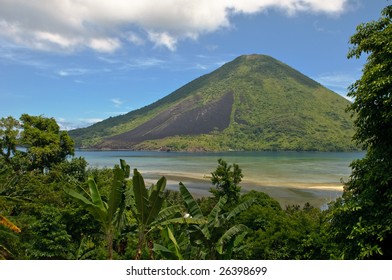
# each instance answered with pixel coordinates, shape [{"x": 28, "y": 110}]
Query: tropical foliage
[
  {"x": 109, "y": 214},
  {"x": 54, "y": 207},
  {"x": 71, "y": 212},
  {"x": 363, "y": 220},
  {"x": 226, "y": 181}
]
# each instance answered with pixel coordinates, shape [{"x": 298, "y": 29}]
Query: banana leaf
[
  {"x": 99, "y": 213},
  {"x": 168, "y": 212},
  {"x": 213, "y": 218},
  {"x": 228, "y": 235},
  {"x": 241, "y": 208},
  {"x": 116, "y": 193},
  {"x": 125, "y": 168},
  {"x": 162, "y": 249},
  {"x": 155, "y": 200},
  {"x": 188, "y": 221},
  {"x": 94, "y": 194},
  {"x": 140, "y": 196},
  {"x": 192, "y": 206}
]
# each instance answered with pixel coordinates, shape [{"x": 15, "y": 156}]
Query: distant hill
[{"x": 254, "y": 102}]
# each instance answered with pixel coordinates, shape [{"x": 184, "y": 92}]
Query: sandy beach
[
  {"x": 289, "y": 177},
  {"x": 286, "y": 193}
]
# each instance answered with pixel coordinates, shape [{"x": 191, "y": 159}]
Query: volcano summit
[{"x": 254, "y": 102}]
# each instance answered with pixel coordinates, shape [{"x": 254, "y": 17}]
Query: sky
[{"x": 82, "y": 61}]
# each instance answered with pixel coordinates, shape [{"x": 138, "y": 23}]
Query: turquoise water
[{"x": 261, "y": 169}]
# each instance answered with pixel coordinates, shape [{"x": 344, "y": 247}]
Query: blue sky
[{"x": 82, "y": 61}]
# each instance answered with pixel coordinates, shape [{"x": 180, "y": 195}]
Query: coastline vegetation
[
  {"x": 64, "y": 210},
  {"x": 72, "y": 212},
  {"x": 54, "y": 207}
]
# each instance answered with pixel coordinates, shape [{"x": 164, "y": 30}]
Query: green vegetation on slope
[{"x": 274, "y": 108}]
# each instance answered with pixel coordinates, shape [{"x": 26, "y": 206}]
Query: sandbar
[{"x": 286, "y": 193}]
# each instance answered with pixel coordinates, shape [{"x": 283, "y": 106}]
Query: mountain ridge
[{"x": 265, "y": 105}]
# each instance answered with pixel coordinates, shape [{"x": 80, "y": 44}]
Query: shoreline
[
  {"x": 202, "y": 178},
  {"x": 286, "y": 193},
  {"x": 289, "y": 177}
]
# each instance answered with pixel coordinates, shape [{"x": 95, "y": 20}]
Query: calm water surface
[{"x": 297, "y": 171}]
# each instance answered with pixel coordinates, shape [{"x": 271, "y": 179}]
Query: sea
[{"x": 293, "y": 178}]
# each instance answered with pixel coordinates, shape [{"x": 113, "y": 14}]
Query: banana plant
[
  {"x": 218, "y": 237},
  {"x": 108, "y": 214},
  {"x": 172, "y": 247},
  {"x": 149, "y": 209},
  {"x": 146, "y": 207}
]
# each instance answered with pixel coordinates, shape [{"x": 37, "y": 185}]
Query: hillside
[{"x": 254, "y": 102}]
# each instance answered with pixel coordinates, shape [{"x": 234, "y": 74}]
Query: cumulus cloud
[
  {"x": 163, "y": 39},
  {"x": 105, "y": 26}
]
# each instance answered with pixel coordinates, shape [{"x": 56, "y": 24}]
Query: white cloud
[
  {"x": 145, "y": 62},
  {"x": 291, "y": 6},
  {"x": 117, "y": 102},
  {"x": 105, "y": 45},
  {"x": 163, "y": 39},
  {"x": 63, "y": 124},
  {"x": 55, "y": 39},
  {"x": 17, "y": 54},
  {"x": 73, "y": 72},
  {"x": 105, "y": 26},
  {"x": 79, "y": 123},
  {"x": 338, "y": 81},
  {"x": 201, "y": 67},
  {"x": 91, "y": 120},
  {"x": 134, "y": 38}
]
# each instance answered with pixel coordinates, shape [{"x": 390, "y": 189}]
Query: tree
[
  {"x": 9, "y": 132},
  {"x": 226, "y": 181},
  {"x": 54, "y": 240},
  {"x": 46, "y": 144},
  {"x": 362, "y": 220}
]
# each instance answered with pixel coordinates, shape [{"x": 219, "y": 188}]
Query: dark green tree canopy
[
  {"x": 363, "y": 220},
  {"x": 373, "y": 101},
  {"x": 226, "y": 181},
  {"x": 9, "y": 132},
  {"x": 44, "y": 142}
]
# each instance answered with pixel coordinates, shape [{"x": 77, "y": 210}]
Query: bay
[{"x": 289, "y": 177}]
